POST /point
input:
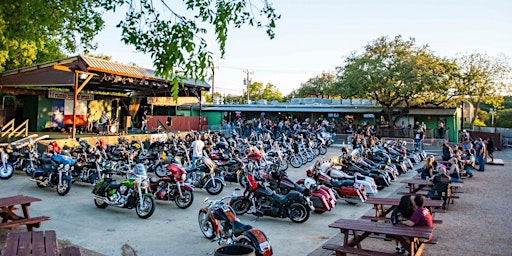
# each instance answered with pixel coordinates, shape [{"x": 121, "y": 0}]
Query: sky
[{"x": 315, "y": 36}]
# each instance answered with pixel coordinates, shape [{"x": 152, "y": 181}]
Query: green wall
[
  {"x": 29, "y": 104},
  {"x": 214, "y": 118},
  {"x": 44, "y": 113}
]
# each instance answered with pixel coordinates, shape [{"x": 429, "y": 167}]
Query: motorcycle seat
[
  {"x": 239, "y": 228},
  {"x": 281, "y": 198},
  {"x": 266, "y": 192},
  {"x": 342, "y": 183}
]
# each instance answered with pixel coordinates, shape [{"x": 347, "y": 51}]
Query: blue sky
[{"x": 316, "y": 36}]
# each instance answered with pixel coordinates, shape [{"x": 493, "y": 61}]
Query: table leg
[{"x": 25, "y": 211}]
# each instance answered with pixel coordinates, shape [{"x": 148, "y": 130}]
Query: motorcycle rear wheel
[
  {"x": 206, "y": 225},
  {"x": 148, "y": 210},
  {"x": 240, "y": 205},
  {"x": 7, "y": 172},
  {"x": 298, "y": 213},
  {"x": 63, "y": 189},
  {"x": 186, "y": 200}
]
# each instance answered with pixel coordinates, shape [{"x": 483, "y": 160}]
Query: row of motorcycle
[{"x": 257, "y": 165}]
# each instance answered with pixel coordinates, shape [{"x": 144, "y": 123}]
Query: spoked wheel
[
  {"x": 298, "y": 212},
  {"x": 146, "y": 209},
  {"x": 322, "y": 150},
  {"x": 64, "y": 188},
  {"x": 160, "y": 171},
  {"x": 205, "y": 224},
  {"x": 29, "y": 168},
  {"x": 186, "y": 200},
  {"x": 283, "y": 166},
  {"x": 7, "y": 172},
  {"x": 100, "y": 203},
  {"x": 296, "y": 161}
]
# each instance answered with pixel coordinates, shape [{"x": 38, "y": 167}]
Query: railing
[{"x": 9, "y": 131}]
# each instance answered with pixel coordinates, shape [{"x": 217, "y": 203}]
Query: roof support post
[{"x": 76, "y": 90}]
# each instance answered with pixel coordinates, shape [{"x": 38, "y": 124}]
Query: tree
[
  {"x": 398, "y": 75},
  {"x": 175, "y": 42},
  {"x": 320, "y": 86},
  {"x": 484, "y": 79},
  {"x": 255, "y": 91},
  {"x": 271, "y": 92}
]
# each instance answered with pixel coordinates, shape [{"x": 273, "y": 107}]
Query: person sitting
[
  {"x": 468, "y": 163},
  {"x": 428, "y": 169},
  {"x": 447, "y": 151},
  {"x": 454, "y": 171},
  {"x": 440, "y": 186},
  {"x": 402, "y": 212},
  {"x": 421, "y": 216}
]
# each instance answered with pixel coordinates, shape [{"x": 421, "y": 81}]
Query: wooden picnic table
[
  {"x": 416, "y": 185},
  {"x": 8, "y": 209},
  {"x": 40, "y": 243},
  {"x": 384, "y": 206},
  {"x": 355, "y": 231}
]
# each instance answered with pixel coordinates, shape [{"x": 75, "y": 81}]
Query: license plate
[{"x": 264, "y": 245}]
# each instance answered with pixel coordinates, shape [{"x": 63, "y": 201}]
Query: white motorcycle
[{"x": 332, "y": 168}]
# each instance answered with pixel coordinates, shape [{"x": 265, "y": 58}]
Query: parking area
[{"x": 171, "y": 231}]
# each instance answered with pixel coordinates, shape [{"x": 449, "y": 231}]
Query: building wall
[
  {"x": 30, "y": 103},
  {"x": 44, "y": 113},
  {"x": 214, "y": 118}
]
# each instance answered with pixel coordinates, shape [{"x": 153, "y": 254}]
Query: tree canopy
[
  {"x": 258, "y": 91},
  {"x": 34, "y": 31},
  {"x": 320, "y": 86}
]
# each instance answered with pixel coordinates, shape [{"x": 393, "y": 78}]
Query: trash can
[{"x": 235, "y": 249}]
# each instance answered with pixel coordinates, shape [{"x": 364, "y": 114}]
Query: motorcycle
[
  {"x": 204, "y": 176},
  {"x": 11, "y": 160},
  {"x": 344, "y": 189},
  {"x": 259, "y": 200},
  {"x": 172, "y": 187},
  {"x": 322, "y": 197},
  {"x": 129, "y": 193},
  {"x": 218, "y": 221},
  {"x": 88, "y": 172},
  {"x": 333, "y": 169},
  {"x": 54, "y": 172}
]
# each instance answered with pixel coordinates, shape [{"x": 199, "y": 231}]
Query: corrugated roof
[
  {"x": 95, "y": 63},
  {"x": 433, "y": 111}
]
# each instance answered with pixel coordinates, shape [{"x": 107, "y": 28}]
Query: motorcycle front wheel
[
  {"x": 7, "y": 172},
  {"x": 240, "y": 205},
  {"x": 145, "y": 211},
  {"x": 298, "y": 213},
  {"x": 295, "y": 161},
  {"x": 29, "y": 168},
  {"x": 64, "y": 188},
  {"x": 100, "y": 203},
  {"x": 160, "y": 171},
  {"x": 215, "y": 189},
  {"x": 322, "y": 150},
  {"x": 186, "y": 200},
  {"x": 206, "y": 225}
]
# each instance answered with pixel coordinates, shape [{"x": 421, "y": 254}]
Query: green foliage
[
  {"x": 503, "y": 118},
  {"x": 321, "y": 86},
  {"x": 484, "y": 79},
  {"x": 398, "y": 75},
  {"x": 483, "y": 116},
  {"x": 269, "y": 92},
  {"x": 34, "y": 31},
  {"x": 479, "y": 123}
]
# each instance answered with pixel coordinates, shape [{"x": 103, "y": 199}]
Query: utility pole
[
  {"x": 213, "y": 81},
  {"x": 247, "y": 81}
]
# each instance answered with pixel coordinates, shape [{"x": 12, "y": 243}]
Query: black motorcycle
[{"x": 260, "y": 201}]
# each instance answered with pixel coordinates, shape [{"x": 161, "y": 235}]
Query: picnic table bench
[
  {"x": 8, "y": 209},
  {"x": 37, "y": 243},
  {"x": 355, "y": 231}
]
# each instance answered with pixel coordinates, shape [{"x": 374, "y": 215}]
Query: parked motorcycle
[
  {"x": 10, "y": 158},
  {"x": 218, "y": 221},
  {"x": 129, "y": 193},
  {"x": 204, "y": 176},
  {"x": 172, "y": 187},
  {"x": 54, "y": 172},
  {"x": 260, "y": 200}
]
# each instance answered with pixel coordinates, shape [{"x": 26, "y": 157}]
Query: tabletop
[
  {"x": 396, "y": 201},
  {"x": 18, "y": 199},
  {"x": 383, "y": 228}
]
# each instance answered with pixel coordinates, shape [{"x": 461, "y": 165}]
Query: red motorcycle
[
  {"x": 172, "y": 187},
  {"x": 218, "y": 221},
  {"x": 342, "y": 189}
]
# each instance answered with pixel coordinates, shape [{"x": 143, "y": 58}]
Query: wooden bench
[
  {"x": 37, "y": 243},
  {"x": 34, "y": 222},
  {"x": 70, "y": 251},
  {"x": 343, "y": 250},
  {"x": 386, "y": 219}
]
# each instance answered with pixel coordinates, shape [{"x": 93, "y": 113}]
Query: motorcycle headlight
[
  {"x": 144, "y": 184},
  {"x": 66, "y": 167}
]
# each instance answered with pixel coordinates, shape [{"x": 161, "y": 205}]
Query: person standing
[
  {"x": 418, "y": 138},
  {"x": 197, "y": 150},
  {"x": 89, "y": 125},
  {"x": 440, "y": 129},
  {"x": 490, "y": 149},
  {"x": 104, "y": 122},
  {"x": 480, "y": 154},
  {"x": 144, "y": 119}
]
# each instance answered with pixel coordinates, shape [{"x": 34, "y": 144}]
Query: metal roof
[
  {"x": 295, "y": 108},
  {"x": 433, "y": 111}
]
